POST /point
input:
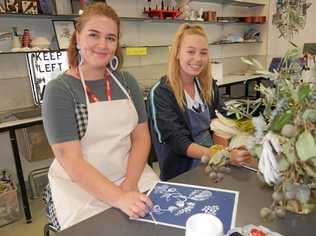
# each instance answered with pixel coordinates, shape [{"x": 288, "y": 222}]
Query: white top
[{"x": 196, "y": 102}]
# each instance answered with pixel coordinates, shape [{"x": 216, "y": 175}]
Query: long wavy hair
[
  {"x": 95, "y": 9},
  {"x": 173, "y": 74}
]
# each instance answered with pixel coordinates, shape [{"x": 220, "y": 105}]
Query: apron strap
[{"x": 118, "y": 83}]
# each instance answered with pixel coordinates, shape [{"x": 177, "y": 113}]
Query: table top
[
  {"x": 4, "y": 126},
  {"x": 252, "y": 197},
  {"x": 234, "y": 78}
]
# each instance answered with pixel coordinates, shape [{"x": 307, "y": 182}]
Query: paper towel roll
[{"x": 217, "y": 70}]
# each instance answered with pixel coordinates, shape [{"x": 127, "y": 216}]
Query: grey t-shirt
[{"x": 64, "y": 93}]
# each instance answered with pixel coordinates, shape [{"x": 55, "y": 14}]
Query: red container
[{"x": 248, "y": 19}]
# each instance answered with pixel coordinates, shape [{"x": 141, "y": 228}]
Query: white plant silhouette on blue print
[
  {"x": 211, "y": 209},
  {"x": 183, "y": 204}
]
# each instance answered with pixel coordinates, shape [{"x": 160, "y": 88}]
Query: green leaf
[
  {"x": 283, "y": 164},
  {"x": 303, "y": 194},
  {"x": 281, "y": 120},
  {"x": 305, "y": 146},
  {"x": 303, "y": 92},
  {"x": 288, "y": 151},
  {"x": 218, "y": 158},
  {"x": 310, "y": 114}
]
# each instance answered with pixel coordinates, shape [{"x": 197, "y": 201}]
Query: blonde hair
[
  {"x": 95, "y": 9},
  {"x": 173, "y": 74}
]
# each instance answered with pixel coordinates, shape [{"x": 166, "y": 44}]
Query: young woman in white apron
[{"x": 107, "y": 166}]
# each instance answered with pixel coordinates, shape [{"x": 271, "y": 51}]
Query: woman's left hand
[{"x": 240, "y": 155}]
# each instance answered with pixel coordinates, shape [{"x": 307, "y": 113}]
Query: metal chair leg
[{"x": 49, "y": 228}]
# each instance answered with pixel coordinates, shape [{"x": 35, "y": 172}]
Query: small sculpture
[{"x": 200, "y": 15}]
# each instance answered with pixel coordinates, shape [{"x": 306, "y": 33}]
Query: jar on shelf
[{"x": 26, "y": 39}]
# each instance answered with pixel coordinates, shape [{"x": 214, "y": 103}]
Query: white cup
[{"x": 204, "y": 225}]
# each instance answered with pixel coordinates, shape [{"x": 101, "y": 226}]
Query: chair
[
  {"x": 152, "y": 155},
  {"x": 49, "y": 228}
]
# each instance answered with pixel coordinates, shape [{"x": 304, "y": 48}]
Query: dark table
[
  {"x": 252, "y": 197},
  {"x": 11, "y": 126}
]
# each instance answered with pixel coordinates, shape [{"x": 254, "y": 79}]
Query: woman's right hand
[
  {"x": 240, "y": 156},
  {"x": 134, "y": 204}
]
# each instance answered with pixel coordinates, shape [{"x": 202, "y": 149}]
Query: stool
[{"x": 49, "y": 228}]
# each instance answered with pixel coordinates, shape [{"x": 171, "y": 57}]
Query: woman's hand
[
  {"x": 240, "y": 155},
  {"x": 134, "y": 204}
]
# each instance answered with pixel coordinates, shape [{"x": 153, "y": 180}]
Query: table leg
[
  {"x": 227, "y": 87},
  {"x": 246, "y": 89},
  {"x": 258, "y": 81},
  {"x": 18, "y": 166}
]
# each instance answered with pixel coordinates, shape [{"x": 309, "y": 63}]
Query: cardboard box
[{"x": 9, "y": 205}]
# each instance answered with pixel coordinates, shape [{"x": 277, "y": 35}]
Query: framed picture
[
  {"x": 12, "y": 6},
  {"x": 47, "y": 7},
  {"x": 63, "y": 31},
  {"x": 29, "y": 7},
  {"x": 2, "y": 6}
]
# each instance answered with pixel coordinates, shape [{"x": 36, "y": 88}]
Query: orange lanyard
[{"x": 92, "y": 96}]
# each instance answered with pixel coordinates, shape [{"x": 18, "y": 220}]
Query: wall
[
  {"x": 277, "y": 46},
  {"x": 14, "y": 86}
]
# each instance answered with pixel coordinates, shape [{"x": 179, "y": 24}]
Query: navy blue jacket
[{"x": 171, "y": 130}]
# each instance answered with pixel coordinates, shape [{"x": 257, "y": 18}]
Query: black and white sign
[{"x": 43, "y": 67}]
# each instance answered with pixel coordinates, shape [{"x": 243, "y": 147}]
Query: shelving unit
[
  {"x": 136, "y": 19},
  {"x": 246, "y": 3}
]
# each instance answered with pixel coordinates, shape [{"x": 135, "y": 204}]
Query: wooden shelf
[
  {"x": 136, "y": 19},
  {"x": 245, "y": 3},
  {"x": 126, "y": 46}
]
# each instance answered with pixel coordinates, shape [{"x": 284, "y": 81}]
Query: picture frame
[
  {"x": 12, "y": 6},
  {"x": 29, "y": 7},
  {"x": 2, "y": 6},
  {"x": 63, "y": 30},
  {"x": 47, "y": 7}
]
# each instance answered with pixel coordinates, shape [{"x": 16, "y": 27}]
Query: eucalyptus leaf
[
  {"x": 303, "y": 194},
  {"x": 283, "y": 164},
  {"x": 310, "y": 114},
  {"x": 313, "y": 160},
  {"x": 289, "y": 152},
  {"x": 310, "y": 170},
  {"x": 281, "y": 120},
  {"x": 305, "y": 146},
  {"x": 218, "y": 158},
  {"x": 288, "y": 187},
  {"x": 239, "y": 140},
  {"x": 303, "y": 92}
]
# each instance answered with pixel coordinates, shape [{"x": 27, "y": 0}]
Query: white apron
[{"x": 105, "y": 145}]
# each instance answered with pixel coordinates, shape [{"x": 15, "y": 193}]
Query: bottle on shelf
[{"x": 15, "y": 38}]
